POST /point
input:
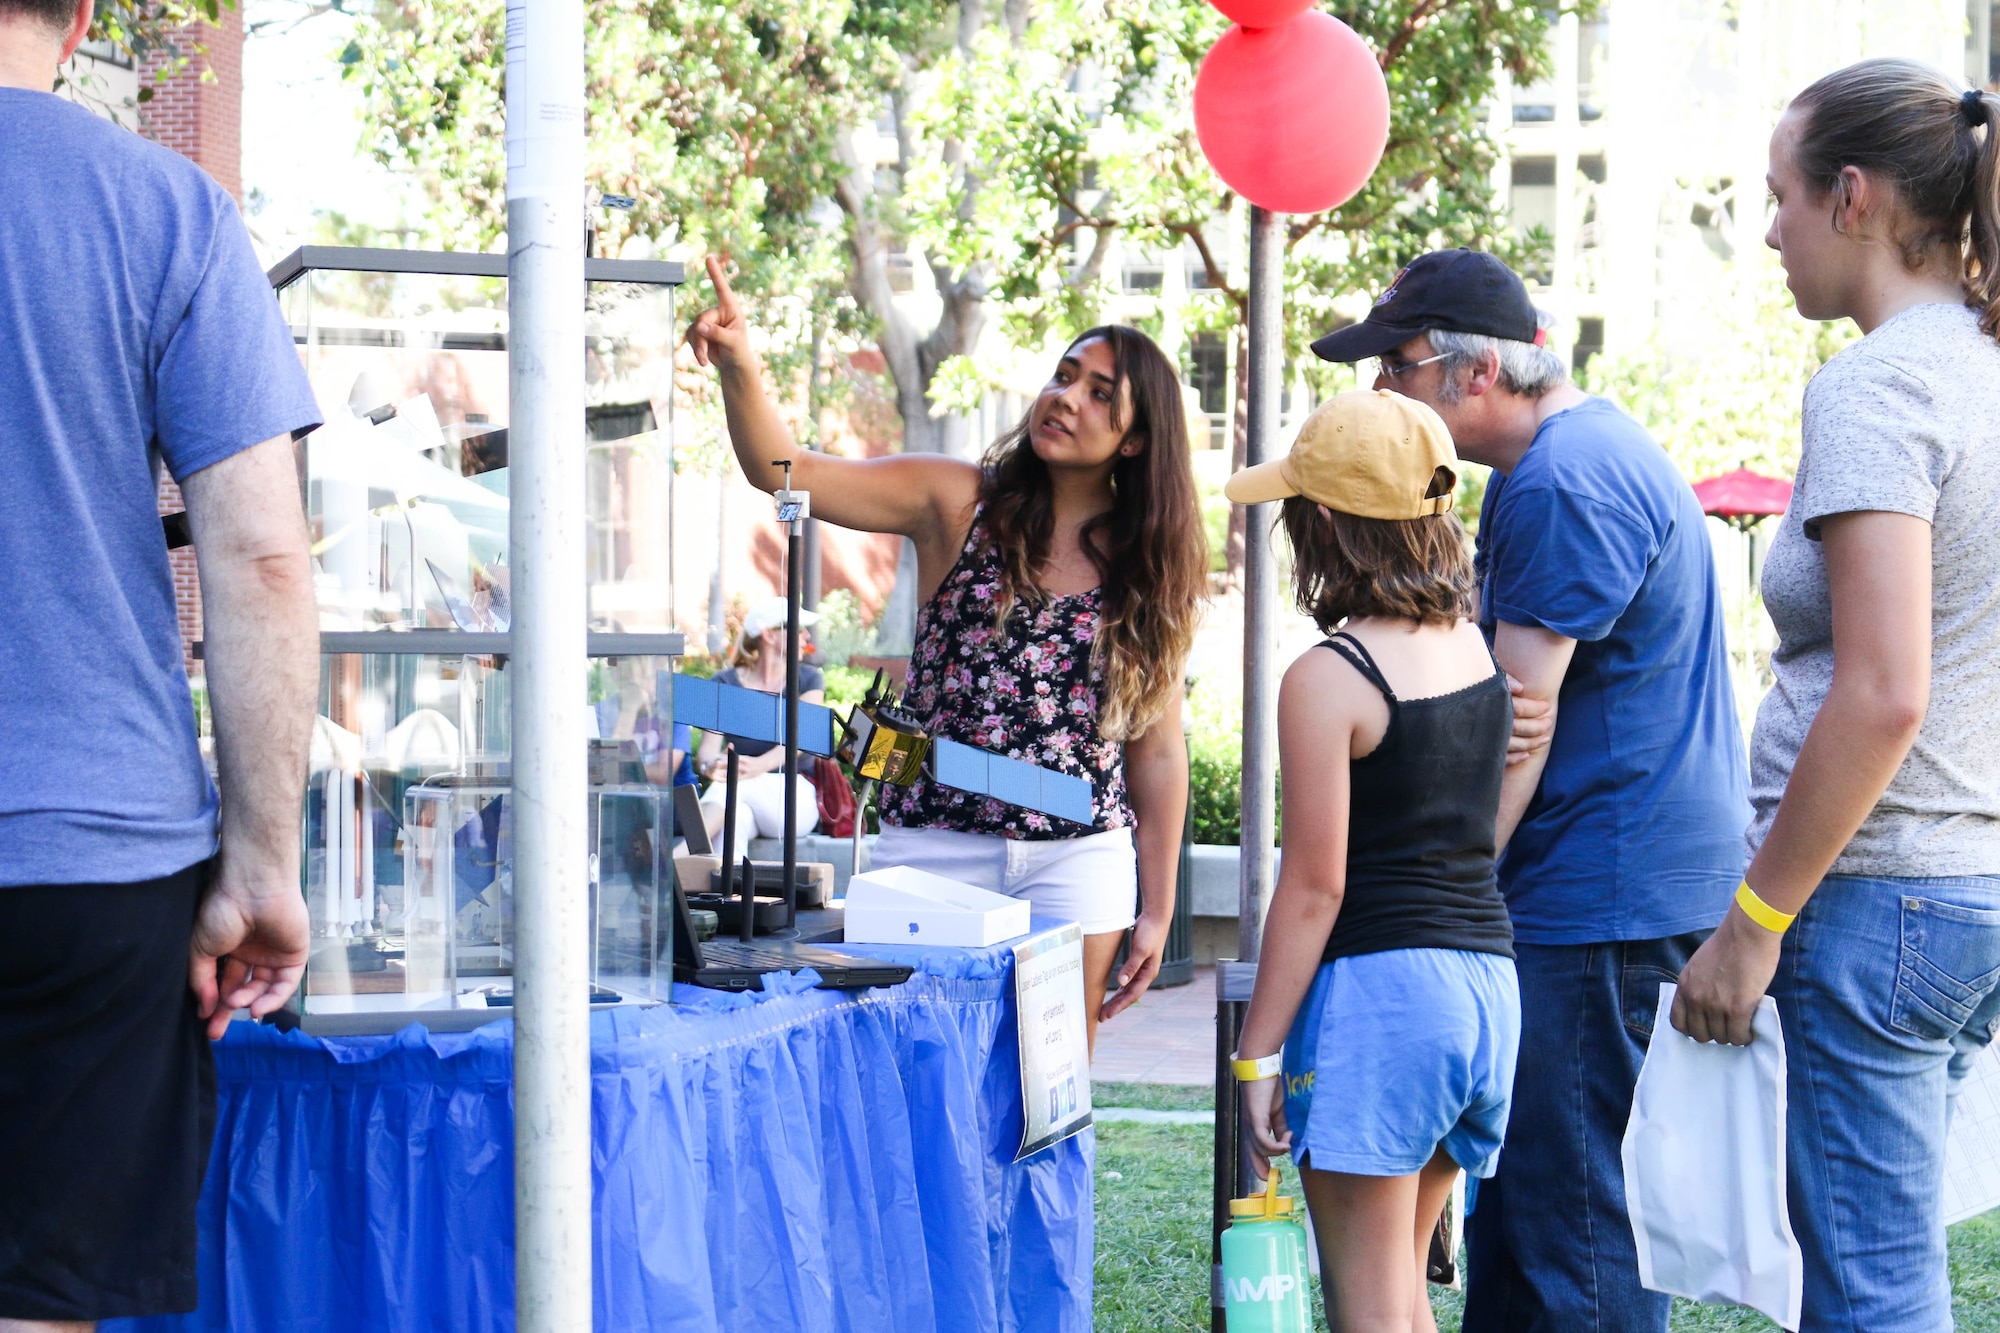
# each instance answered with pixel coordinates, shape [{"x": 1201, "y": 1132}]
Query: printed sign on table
[
  {"x": 1972, "y": 1152},
  {"x": 1055, "y": 1045}
]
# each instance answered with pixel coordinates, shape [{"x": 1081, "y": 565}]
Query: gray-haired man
[{"x": 1623, "y": 838}]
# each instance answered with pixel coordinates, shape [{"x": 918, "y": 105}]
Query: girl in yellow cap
[{"x": 1379, "y": 1044}]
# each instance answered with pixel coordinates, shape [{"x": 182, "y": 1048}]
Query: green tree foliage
[
  {"x": 1087, "y": 113},
  {"x": 169, "y": 32},
  {"x": 1028, "y": 137},
  {"x": 719, "y": 118}
]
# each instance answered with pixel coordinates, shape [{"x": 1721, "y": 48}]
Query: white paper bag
[{"x": 1705, "y": 1169}]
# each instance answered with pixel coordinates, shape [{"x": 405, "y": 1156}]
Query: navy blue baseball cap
[{"x": 1460, "y": 291}]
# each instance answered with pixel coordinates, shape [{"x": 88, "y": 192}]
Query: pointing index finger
[{"x": 725, "y": 299}]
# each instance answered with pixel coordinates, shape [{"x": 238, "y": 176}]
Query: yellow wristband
[
  {"x": 1252, "y": 1071},
  {"x": 1765, "y": 915}
]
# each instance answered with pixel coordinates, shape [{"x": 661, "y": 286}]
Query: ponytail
[
  {"x": 1936, "y": 145},
  {"x": 1982, "y": 251}
]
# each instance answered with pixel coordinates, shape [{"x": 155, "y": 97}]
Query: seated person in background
[
  {"x": 759, "y": 664},
  {"x": 669, "y": 765}
]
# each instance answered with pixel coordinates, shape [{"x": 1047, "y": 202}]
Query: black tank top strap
[{"x": 1357, "y": 657}]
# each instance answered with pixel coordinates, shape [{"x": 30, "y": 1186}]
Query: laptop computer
[
  {"x": 733, "y": 965},
  {"x": 721, "y": 964}
]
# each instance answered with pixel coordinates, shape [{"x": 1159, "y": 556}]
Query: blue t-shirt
[
  {"x": 1636, "y": 831},
  {"x": 135, "y": 329},
  {"x": 684, "y": 742}
]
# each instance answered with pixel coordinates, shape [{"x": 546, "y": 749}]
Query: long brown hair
[
  {"x": 1149, "y": 548},
  {"x": 1345, "y": 565},
  {"x": 1934, "y": 143}
]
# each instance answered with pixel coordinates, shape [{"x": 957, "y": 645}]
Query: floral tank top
[{"x": 1029, "y": 693}]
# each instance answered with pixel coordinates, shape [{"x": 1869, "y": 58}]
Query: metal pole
[
  {"x": 545, "y": 299},
  {"x": 1260, "y": 587},
  {"x": 1260, "y": 728},
  {"x": 794, "y": 568}
]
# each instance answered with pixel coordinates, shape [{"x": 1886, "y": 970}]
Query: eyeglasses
[{"x": 1388, "y": 369}]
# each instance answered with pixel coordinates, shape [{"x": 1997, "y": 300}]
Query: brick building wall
[{"x": 202, "y": 119}]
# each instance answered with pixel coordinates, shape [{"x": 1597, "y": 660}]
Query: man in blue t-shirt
[
  {"x": 1623, "y": 835},
  {"x": 136, "y": 332}
]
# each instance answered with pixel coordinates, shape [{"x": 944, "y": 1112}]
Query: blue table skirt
[{"x": 802, "y": 1160}]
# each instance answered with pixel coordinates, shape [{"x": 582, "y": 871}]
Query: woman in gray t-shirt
[{"x": 1871, "y": 908}]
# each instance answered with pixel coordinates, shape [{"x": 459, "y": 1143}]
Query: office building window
[
  {"x": 1532, "y": 193},
  {"x": 1142, "y": 276},
  {"x": 1589, "y": 342},
  {"x": 1208, "y": 371}
]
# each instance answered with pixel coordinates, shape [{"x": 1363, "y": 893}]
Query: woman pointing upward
[{"x": 1062, "y": 578}]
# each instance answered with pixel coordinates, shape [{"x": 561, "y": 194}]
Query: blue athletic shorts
[{"x": 1406, "y": 1050}]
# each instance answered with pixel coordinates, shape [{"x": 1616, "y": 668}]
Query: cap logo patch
[{"x": 1394, "y": 283}]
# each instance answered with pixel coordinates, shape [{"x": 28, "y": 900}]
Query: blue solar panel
[
  {"x": 1067, "y": 797},
  {"x": 750, "y": 715},
  {"x": 959, "y": 766},
  {"x": 816, "y": 729},
  {"x": 695, "y": 701},
  {"x": 1012, "y": 781}
]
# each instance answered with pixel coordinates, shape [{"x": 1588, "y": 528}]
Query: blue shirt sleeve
[
  {"x": 229, "y": 375},
  {"x": 1564, "y": 561}
]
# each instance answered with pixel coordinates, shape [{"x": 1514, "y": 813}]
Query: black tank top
[{"x": 1420, "y": 822}]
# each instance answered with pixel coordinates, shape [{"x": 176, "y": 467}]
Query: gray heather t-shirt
[{"x": 1905, "y": 421}]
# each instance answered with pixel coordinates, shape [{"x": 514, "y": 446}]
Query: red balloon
[
  {"x": 1293, "y": 118},
  {"x": 1262, "y": 13}
]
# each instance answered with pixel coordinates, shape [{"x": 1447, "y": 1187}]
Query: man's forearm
[
  {"x": 1517, "y": 790},
  {"x": 260, "y": 630},
  {"x": 1537, "y": 660}
]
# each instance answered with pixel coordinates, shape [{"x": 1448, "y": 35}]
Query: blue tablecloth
[{"x": 801, "y": 1160}]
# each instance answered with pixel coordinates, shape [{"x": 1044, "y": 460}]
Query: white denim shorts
[
  {"x": 760, "y": 805},
  {"x": 1092, "y": 880}
]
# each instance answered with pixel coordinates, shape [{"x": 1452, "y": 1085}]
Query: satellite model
[{"x": 879, "y": 740}]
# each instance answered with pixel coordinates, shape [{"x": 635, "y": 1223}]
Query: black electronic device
[
  {"x": 687, "y": 819},
  {"x": 770, "y": 918},
  {"x": 723, "y": 964},
  {"x": 769, "y": 878}
]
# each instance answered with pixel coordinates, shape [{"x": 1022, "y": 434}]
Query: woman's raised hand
[{"x": 720, "y": 335}]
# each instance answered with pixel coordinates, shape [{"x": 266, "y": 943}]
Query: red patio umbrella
[{"x": 1742, "y": 498}]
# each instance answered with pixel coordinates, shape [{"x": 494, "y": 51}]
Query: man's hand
[
  {"x": 249, "y": 946},
  {"x": 1722, "y": 983},
  {"x": 261, "y": 630},
  {"x": 720, "y": 335},
  {"x": 1534, "y": 724},
  {"x": 1142, "y": 964},
  {"x": 1264, "y": 1117}
]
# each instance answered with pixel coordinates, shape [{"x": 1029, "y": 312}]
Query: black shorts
[{"x": 107, "y": 1099}]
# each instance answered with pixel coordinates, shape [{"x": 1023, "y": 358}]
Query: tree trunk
[{"x": 913, "y": 356}]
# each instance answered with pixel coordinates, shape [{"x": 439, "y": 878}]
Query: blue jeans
[
  {"x": 1548, "y": 1243},
  {"x": 1888, "y": 988}
]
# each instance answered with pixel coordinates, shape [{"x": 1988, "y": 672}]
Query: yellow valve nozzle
[{"x": 1265, "y": 1205}]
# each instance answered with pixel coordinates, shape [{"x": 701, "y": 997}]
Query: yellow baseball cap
[{"x": 1371, "y": 453}]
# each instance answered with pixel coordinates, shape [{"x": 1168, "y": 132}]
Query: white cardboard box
[{"x": 904, "y": 905}]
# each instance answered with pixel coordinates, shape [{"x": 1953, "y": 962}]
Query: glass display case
[
  {"x": 406, "y": 483},
  {"x": 407, "y": 867}
]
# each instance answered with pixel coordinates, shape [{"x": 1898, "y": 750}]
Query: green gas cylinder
[{"x": 1264, "y": 1264}]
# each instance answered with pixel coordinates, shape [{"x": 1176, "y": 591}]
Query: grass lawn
[{"x": 1152, "y": 1233}]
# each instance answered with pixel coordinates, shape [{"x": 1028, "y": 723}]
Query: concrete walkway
[{"x": 1167, "y": 1037}]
